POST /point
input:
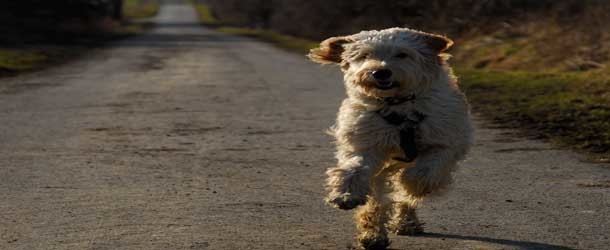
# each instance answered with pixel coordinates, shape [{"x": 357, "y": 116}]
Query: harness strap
[
  {"x": 407, "y": 144},
  {"x": 407, "y": 126}
]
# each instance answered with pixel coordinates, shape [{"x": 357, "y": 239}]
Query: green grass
[
  {"x": 205, "y": 14},
  {"x": 17, "y": 60},
  {"x": 137, "y": 9},
  {"x": 572, "y": 109}
]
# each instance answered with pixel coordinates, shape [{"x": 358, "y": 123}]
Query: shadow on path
[{"x": 512, "y": 243}]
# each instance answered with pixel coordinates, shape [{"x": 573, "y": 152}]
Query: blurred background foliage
[
  {"x": 37, "y": 33},
  {"x": 564, "y": 34},
  {"x": 28, "y": 20}
]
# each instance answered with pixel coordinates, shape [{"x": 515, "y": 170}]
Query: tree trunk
[{"x": 117, "y": 9}]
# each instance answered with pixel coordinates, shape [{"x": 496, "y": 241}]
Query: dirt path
[{"x": 185, "y": 138}]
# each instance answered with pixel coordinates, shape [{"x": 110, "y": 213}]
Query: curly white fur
[{"x": 366, "y": 143}]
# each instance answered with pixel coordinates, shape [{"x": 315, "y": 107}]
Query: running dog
[{"x": 401, "y": 130}]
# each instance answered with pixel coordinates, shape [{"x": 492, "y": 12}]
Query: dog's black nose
[{"x": 382, "y": 74}]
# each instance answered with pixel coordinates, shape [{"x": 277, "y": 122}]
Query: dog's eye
[{"x": 401, "y": 55}]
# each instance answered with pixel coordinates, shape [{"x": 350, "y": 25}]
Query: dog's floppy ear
[
  {"x": 330, "y": 50},
  {"x": 437, "y": 43}
]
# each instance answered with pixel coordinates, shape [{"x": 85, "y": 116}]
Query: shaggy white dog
[{"x": 401, "y": 130}]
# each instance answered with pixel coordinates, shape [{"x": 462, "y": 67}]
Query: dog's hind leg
[
  {"x": 406, "y": 221},
  {"x": 371, "y": 219}
]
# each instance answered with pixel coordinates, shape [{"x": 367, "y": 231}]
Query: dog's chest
[
  {"x": 406, "y": 120},
  {"x": 401, "y": 116}
]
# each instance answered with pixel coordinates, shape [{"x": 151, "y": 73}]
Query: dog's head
[{"x": 385, "y": 63}]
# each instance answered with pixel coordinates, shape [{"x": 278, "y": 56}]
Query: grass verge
[
  {"x": 20, "y": 59},
  {"x": 572, "y": 109},
  {"x": 138, "y": 9},
  {"x": 204, "y": 13},
  {"x": 569, "y": 109},
  {"x": 283, "y": 41}
]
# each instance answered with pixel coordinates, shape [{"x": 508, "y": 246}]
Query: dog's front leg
[
  {"x": 431, "y": 172},
  {"x": 349, "y": 183}
]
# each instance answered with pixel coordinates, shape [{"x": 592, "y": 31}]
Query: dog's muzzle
[{"x": 382, "y": 76}]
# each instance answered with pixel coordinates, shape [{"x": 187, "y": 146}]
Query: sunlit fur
[{"x": 365, "y": 173}]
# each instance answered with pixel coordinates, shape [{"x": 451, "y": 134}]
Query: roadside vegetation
[
  {"x": 139, "y": 9},
  {"x": 284, "y": 41},
  {"x": 569, "y": 108},
  {"x": 541, "y": 66},
  {"x": 51, "y": 34}
]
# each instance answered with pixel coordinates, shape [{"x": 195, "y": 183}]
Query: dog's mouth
[{"x": 385, "y": 85}]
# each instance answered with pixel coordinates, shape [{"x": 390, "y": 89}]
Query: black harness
[{"x": 406, "y": 123}]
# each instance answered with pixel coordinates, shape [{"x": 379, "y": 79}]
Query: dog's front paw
[
  {"x": 374, "y": 242},
  {"x": 346, "y": 201}
]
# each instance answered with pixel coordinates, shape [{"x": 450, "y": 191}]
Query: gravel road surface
[{"x": 185, "y": 138}]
